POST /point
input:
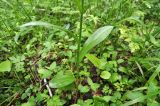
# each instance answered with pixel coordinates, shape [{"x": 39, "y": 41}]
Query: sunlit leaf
[
  {"x": 5, "y": 66},
  {"x": 105, "y": 75}
]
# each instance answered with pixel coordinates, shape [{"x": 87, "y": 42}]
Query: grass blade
[
  {"x": 152, "y": 77},
  {"x": 135, "y": 101},
  {"x": 40, "y": 23},
  {"x": 140, "y": 68}
]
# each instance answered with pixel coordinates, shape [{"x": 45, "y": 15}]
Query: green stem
[{"x": 80, "y": 34}]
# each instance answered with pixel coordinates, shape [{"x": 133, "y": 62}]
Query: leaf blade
[
  {"x": 61, "y": 80},
  {"x": 5, "y": 66},
  {"x": 96, "y": 38},
  {"x": 41, "y": 23}
]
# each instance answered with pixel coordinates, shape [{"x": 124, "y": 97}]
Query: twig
[{"x": 47, "y": 86}]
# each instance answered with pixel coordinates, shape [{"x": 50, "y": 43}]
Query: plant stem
[{"x": 80, "y": 35}]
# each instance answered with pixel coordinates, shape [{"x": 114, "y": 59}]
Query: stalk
[{"x": 80, "y": 34}]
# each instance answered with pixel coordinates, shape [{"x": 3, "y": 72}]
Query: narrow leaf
[
  {"x": 95, "y": 39},
  {"x": 140, "y": 68},
  {"x": 40, "y": 23},
  {"x": 152, "y": 77},
  {"x": 139, "y": 99}
]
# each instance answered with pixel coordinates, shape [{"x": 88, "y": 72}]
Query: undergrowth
[{"x": 79, "y": 52}]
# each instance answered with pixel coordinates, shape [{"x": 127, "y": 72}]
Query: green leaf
[
  {"x": 36, "y": 23},
  {"x": 153, "y": 104},
  {"x": 61, "y": 80},
  {"x": 139, "y": 99},
  {"x": 27, "y": 104},
  {"x": 132, "y": 18},
  {"x": 152, "y": 77},
  {"x": 96, "y": 38},
  {"x": 107, "y": 98},
  {"x": 45, "y": 73},
  {"x": 140, "y": 68},
  {"x": 40, "y": 23},
  {"x": 134, "y": 95},
  {"x": 55, "y": 101},
  {"x": 5, "y": 66},
  {"x": 53, "y": 66},
  {"x": 114, "y": 77},
  {"x": 153, "y": 40},
  {"x": 78, "y": 4},
  {"x": 97, "y": 62},
  {"x": 83, "y": 89},
  {"x": 94, "y": 86},
  {"x": 105, "y": 75}
]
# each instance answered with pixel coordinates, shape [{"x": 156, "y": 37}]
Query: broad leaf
[
  {"x": 5, "y": 66},
  {"x": 95, "y": 39},
  {"x": 105, "y": 75},
  {"x": 61, "y": 80}
]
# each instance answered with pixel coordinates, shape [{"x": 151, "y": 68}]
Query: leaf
[
  {"x": 53, "y": 66},
  {"x": 153, "y": 41},
  {"x": 114, "y": 77},
  {"x": 83, "y": 89},
  {"x": 107, "y": 98},
  {"x": 78, "y": 4},
  {"x": 152, "y": 77},
  {"x": 134, "y": 95},
  {"x": 37, "y": 23},
  {"x": 96, "y": 38},
  {"x": 45, "y": 73},
  {"x": 147, "y": 4},
  {"x": 140, "y": 68},
  {"x": 5, "y": 66},
  {"x": 94, "y": 86},
  {"x": 27, "y": 104},
  {"x": 105, "y": 75},
  {"x": 103, "y": 98},
  {"x": 61, "y": 80},
  {"x": 40, "y": 23},
  {"x": 139, "y": 99},
  {"x": 97, "y": 62}
]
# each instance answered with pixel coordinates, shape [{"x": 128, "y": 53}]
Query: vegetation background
[{"x": 79, "y": 52}]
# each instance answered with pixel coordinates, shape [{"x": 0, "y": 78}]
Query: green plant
[{"x": 79, "y": 53}]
